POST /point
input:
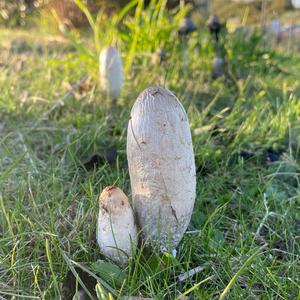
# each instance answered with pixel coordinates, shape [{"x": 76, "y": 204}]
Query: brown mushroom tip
[
  {"x": 107, "y": 191},
  {"x": 155, "y": 91},
  {"x": 110, "y": 188},
  {"x": 112, "y": 199}
]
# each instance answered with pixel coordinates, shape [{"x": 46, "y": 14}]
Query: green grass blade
[{"x": 240, "y": 271}]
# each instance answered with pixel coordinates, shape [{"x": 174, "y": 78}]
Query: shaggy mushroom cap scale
[
  {"x": 117, "y": 231},
  {"x": 111, "y": 71},
  {"x": 161, "y": 166}
]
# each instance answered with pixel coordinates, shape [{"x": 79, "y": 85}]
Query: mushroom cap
[
  {"x": 111, "y": 71},
  {"x": 214, "y": 23},
  {"x": 113, "y": 200},
  {"x": 186, "y": 26},
  {"x": 161, "y": 166}
]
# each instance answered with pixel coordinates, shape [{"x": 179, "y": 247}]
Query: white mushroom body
[
  {"x": 117, "y": 231},
  {"x": 111, "y": 72},
  {"x": 161, "y": 166}
]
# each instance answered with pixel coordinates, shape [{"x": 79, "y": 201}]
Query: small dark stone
[
  {"x": 98, "y": 159},
  {"x": 186, "y": 26},
  {"x": 246, "y": 155},
  {"x": 272, "y": 155}
]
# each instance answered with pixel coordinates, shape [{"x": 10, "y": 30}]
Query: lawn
[{"x": 244, "y": 235}]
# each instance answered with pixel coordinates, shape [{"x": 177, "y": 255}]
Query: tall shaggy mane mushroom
[{"x": 161, "y": 166}]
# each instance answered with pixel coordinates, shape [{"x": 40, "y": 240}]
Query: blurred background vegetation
[{"x": 27, "y": 12}]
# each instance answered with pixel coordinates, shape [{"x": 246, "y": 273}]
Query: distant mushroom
[
  {"x": 111, "y": 73},
  {"x": 117, "y": 231},
  {"x": 214, "y": 26},
  {"x": 161, "y": 167},
  {"x": 186, "y": 26},
  {"x": 217, "y": 68}
]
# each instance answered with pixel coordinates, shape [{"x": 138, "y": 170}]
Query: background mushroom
[
  {"x": 117, "y": 231},
  {"x": 111, "y": 73},
  {"x": 214, "y": 26},
  {"x": 186, "y": 26},
  {"x": 161, "y": 166},
  {"x": 217, "y": 67}
]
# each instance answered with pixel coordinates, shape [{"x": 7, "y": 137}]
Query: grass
[{"x": 244, "y": 232}]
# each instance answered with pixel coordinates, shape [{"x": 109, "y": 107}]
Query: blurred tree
[
  {"x": 15, "y": 13},
  {"x": 68, "y": 12}
]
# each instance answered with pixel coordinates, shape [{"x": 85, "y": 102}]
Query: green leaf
[{"x": 110, "y": 272}]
